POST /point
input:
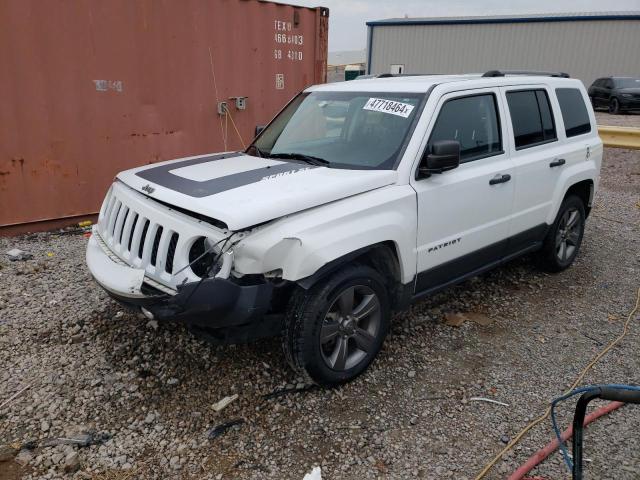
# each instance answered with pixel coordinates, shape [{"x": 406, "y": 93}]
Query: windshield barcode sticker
[{"x": 388, "y": 106}]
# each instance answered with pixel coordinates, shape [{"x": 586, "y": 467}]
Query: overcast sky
[{"x": 347, "y": 30}]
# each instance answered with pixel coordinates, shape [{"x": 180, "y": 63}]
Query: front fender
[{"x": 301, "y": 244}]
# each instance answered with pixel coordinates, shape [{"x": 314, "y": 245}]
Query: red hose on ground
[{"x": 538, "y": 457}]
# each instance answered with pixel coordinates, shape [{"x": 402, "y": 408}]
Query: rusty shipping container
[{"x": 90, "y": 88}]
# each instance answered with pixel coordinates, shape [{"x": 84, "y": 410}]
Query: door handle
[
  {"x": 557, "y": 162},
  {"x": 500, "y": 179}
]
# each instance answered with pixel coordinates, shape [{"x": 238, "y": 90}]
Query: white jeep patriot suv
[{"x": 358, "y": 198}]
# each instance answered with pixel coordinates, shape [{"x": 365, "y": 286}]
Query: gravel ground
[{"x": 141, "y": 394}]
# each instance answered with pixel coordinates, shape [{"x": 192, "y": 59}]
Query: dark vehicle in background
[{"x": 618, "y": 94}]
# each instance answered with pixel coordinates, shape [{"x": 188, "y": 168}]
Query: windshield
[
  {"x": 360, "y": 130},
  {"x": 627, "y": 82}
]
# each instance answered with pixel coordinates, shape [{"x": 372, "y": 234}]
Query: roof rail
[
  {"x": 388, "y": 75},
  {"x": 502, "y": 73}
]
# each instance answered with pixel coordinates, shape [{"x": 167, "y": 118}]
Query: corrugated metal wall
[
  {"x": 584, "y": 49},
  {"x": 89, "y": 88}
]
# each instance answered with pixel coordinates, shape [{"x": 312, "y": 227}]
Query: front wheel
[
  {"x": 562, "y": 243},
  {"x": 334, "y": 330}
]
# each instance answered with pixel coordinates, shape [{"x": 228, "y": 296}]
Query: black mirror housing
[{"x": 439, "y": 157}]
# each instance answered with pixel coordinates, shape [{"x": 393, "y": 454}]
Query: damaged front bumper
[{"x": 211, "y": 303}]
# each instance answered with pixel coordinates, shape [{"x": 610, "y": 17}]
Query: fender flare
[
  {"x": 572, "y": 180},
  {"x": 334, "y": 265}
]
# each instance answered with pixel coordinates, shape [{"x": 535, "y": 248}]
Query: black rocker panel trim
[
  {"x": 479, "y": 261},
  {"x": 161, "y": 175}
]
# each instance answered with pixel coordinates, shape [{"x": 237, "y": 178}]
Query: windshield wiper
[{"x": 301, "y": 156}]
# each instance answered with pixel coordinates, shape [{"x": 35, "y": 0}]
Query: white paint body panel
[
  {"x": 302, "y": 243},
  {"x": 460, "y": 205},
  {"x": 118, "y": 279}
]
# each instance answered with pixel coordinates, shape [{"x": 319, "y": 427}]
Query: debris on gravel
[
  {"x": 315, "y": 474},
  {"x": 135, "y": 398},
  {"x": 224, "y": 402},
  {"x": 222, "y": 428},
  {"x": 15, "y": 254}
]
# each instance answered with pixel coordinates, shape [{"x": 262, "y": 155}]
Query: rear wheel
[
  {"x": 614, "y": 106},
  {"x": 334, "y": 330},
  {"x": 562, "y": 243}
]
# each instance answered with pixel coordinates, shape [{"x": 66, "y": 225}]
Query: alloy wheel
[
  {"x": 350, "y": 327},
  {"x": 568, "y": 234}
]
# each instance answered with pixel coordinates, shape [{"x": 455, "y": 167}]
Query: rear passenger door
[
  {"x": 464, "y": 213},
  {"x": 538, "y": 159}
]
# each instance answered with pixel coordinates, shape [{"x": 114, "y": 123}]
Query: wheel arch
[
  {"x": 382, "y": 257},
  {"x": 584, "y": 190},
  {"x": 580, "y": 180}
]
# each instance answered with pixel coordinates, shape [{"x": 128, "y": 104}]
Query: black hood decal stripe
[{"x": 162, "y": 176}]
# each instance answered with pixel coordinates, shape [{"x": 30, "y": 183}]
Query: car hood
[{"x": 242, "y": 191}]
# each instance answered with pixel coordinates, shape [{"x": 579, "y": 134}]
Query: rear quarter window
[
  {"x": 574, "y": 111},
  {"x": 531, "y": 118}
]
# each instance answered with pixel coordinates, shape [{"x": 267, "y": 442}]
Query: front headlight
[
  {"x": 627, "y": 95},
  {"x": 202, "y": 255}
]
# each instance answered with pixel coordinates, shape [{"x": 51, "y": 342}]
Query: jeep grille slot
[
  {"x": 113, "y": 216},
  {"x": 143, "y": 237},
  {"x": 156, "y": 244},
  {"x": 171, "y": 252},
  {"x": 122, "y": 224},
  {"x": 133, "y": 229}
]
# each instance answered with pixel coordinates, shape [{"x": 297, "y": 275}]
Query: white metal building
[{"x": 584, "y": 45}]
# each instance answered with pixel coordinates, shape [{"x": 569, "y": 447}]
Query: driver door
[{"x": 464, "y": 213}]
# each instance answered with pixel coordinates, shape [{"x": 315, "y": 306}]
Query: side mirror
[
  {"x": 259, "y": 129},
  {"x": 439, "y": 157}
]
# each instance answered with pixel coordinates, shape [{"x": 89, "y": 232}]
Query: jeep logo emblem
[{"x": 148, "y": 188}]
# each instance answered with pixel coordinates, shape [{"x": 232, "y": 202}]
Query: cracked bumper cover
[{"x": 215, "y": 303}]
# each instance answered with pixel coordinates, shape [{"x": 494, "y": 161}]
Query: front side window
[
  {"x": 473, "y": 122},
  {"x": 574, "y": 112},
  {"x": 531, "y": 118},
  {"x": 359, "y": 130}
]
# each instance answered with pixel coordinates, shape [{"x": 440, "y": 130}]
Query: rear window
[
  {"x": 574, "y": 112},
  {"x": 531, "y": 117}
]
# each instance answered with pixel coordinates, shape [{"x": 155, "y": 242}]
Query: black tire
[
  {"x": 614, "y": 106},
  {"x": 319, "y": 310},
  {"x": 563, "y": 240}
]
